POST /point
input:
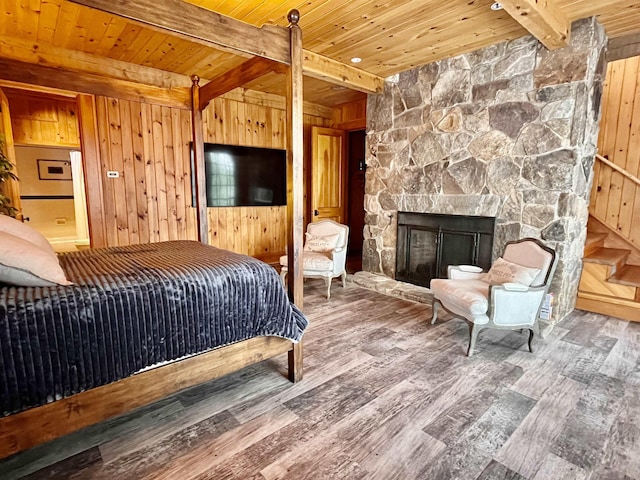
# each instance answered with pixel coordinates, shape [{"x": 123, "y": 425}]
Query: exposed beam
[
  {"x": 201, "y": 25},
  {"x": 72, "y": 62},
  {"x": 623, "y": 47},
  {"x": 49, "y": 56},
  {"x": 325, "y": 68},
  {"x": 542, "y": 18},
  {"x": 92, "y": 83},
  {"x": 272, "y": 100},
  {"x": 237, "y": 77},
  {"x": 225, "y": 33}
]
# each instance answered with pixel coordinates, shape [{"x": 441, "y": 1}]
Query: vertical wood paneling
[
  {"x": 615, "y": 199},
  {"x": 142, "y": 207},
  {"x": 257, "y": 231},
  {"x": 38, "y": 120},
  {"x": 149, "y": 146},
  {"x": 149, "y": 173},
  {"x": 350, "y": 116},
  {"x": 152, "y": 201}
]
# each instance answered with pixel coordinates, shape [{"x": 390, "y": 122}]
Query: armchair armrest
[
  {"x": 515, "y": 304},
  {"x": 339, "y": 257},
  {"x": 464, "y": 272}
]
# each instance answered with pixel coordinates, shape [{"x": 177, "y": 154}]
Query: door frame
[{"x": 89, "y": 148}]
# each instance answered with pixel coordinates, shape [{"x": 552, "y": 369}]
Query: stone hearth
[{"x": 508, "y": 131}]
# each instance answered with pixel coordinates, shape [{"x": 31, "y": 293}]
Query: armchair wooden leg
[
  {"x": 283, "y": 274},
  {"x": 327, "y": 281},
  {"x": 434, "y": 307},
  {"x": 473, "y": 335},
  {"x": 531, "y": 335},
  {"x": 344, "y": 279}
]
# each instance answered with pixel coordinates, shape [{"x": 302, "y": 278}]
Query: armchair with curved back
[
  {"x": 514, "y": 305},
  {"x": 324, "y": 254}
]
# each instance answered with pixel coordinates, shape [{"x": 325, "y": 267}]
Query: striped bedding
[{"x": 130, "y": 308}]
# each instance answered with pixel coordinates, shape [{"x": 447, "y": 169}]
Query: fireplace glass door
[{"x": 419, "y": 263}]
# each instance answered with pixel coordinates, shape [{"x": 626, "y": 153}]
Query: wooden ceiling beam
[
  {"x": 623, "y": 47},
  {"x": 201, "y": 25},
  {"x": 325, "y": 68},
  {"x": 83, "y": 82},
  {"x": 542, "y": 18},
  {"x": 49, "y": 56},
  {"x": 225, "y": 33},
  {"x": 237, "y": 77}
]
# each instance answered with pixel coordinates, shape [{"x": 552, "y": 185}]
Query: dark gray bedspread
[{"x": 129, "y": 308}]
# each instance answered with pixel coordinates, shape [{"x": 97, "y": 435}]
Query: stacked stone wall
[{"x": 508, "y": 131}]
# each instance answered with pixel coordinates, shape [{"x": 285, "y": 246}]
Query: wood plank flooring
[{"x": 385, "y": 395}]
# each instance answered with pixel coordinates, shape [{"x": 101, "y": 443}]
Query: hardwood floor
[{"x": 386, "y": 396}]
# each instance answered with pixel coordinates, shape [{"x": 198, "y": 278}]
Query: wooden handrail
[{"x": 619, "y": 169}]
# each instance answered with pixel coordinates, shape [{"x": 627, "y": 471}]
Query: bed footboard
[{"x": 38, "y": 425}]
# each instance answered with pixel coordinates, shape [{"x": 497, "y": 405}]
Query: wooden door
[
  {"x": 11, "y": 188},
  {"x": 327, "y": 174}
]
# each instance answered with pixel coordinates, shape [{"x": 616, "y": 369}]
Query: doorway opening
[
  {"x": 48, "y": 162},
  {"x": 355, "y": 198}
]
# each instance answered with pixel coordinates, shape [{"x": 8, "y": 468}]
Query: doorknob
[{"x": 316, "y": 213}]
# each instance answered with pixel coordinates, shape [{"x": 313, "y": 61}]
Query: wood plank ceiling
[{"x": 390, "y": 36}]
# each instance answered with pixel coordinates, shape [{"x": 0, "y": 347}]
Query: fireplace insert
[{"x": 429, "y": 242}]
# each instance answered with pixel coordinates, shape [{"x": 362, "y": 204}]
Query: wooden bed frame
[
  {"x": 32, "y": 427},
  {"x": 275, "y": 49}
]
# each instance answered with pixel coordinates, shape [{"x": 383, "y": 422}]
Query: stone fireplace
[
  {"x": 508, "y": 131},
  {"x": 427, "y": 243}
]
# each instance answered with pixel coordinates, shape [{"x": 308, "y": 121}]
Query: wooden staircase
[{"x": 608, "y": 284}]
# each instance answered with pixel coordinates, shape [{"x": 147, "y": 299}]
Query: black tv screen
[{"x": 243, "y": 176}]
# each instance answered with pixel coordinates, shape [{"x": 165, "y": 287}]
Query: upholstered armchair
[
  {"x": 324, "y": 254},
  {"x": 509, "y": 296}
]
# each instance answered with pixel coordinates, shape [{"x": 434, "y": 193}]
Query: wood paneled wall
[
  {"x": 148, "y": 145},
  {"x": 257, "y": 231},
  {"x": 43, "y": 120},
  {"x": 151, "y": 200},
  {"x": 350, "y": 116},
  {"x": 615, "y": 198}
]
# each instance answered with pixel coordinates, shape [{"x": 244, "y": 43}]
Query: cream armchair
[
  {"x": 509, "y": 296},
  {"x": 324, "y": 254}
]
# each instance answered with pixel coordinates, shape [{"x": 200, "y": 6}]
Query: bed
[{"x": 74, "y": 355}]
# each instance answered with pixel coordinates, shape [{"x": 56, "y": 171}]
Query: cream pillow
[
  {"x": 503, "y": 271},
  {"x": 25, "y": 232},
  {"x": 24, "y": 264},
  {"x": 321, "y": 243}
]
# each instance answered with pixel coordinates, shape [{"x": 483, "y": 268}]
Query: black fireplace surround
[{"x": 429, "y": 242}]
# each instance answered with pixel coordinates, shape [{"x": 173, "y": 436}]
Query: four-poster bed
[{"x": 36, "y": 425}]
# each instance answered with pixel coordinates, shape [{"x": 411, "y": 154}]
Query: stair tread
[
  {"x": 607, "y": 256},
  {"x": 627, "y": 275}
]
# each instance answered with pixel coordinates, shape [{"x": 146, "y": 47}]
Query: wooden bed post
[
  {"x": 198, "y": 162},
  {"x": 295, "y": 182},
  {"x": 295, "y": 152}
]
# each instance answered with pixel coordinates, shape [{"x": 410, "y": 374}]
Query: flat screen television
[{"x": 243, "y": 176}]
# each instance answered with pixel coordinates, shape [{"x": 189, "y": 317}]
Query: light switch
[{"x": 113, "y": 174}]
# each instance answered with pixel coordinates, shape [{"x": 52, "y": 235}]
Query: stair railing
[{"x": 619, "y": 169}]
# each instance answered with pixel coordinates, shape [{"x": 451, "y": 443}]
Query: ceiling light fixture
[
  {"x": 356, "y": 60},
  {"x": 495, "y": 6}
]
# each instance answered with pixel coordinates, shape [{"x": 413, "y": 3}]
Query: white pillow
[
  {"x": 503, "y": 271},
  {"x": 25, "y": 232},
  {"x": 321, "y": 243},
  {"x": 24, "y": 264}
]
